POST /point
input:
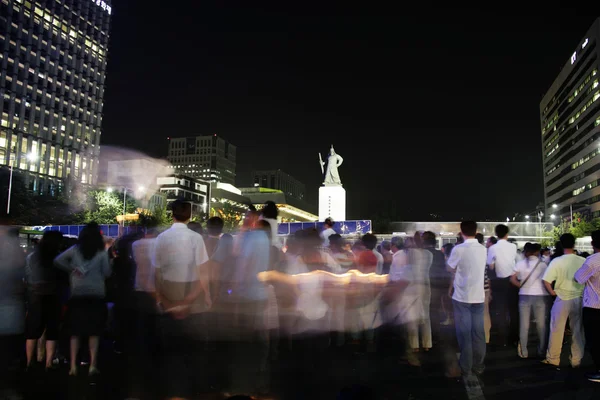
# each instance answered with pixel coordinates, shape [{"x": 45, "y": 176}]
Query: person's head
[
  {"x": 90, "y": 241},
  {"x": 182, "y": 211},
  {"x": 369, "y": 240},
  {"x": 49, "y": 247},
  {"x": 418, "y": 240},
  {"x": 447, "y": 249},
  {"x": 468, "y": 229},
  {"x": 336, "y": 242},
  {"x": 269, "y": 210},
  {"x": 367, "y": 262},
  {"x": 151, "y": 233},
  {"x": 328, "y": 223},
  {"x": 214, "y": 226},
  {"x": 567, "y": 241},
  {"x": 585, "y": 254},
  {"x": 545, "y": 252},
  {"x": 532, "y": 249},
  {"x": 397, "y": 244},
  {"x": 265, "y": 226},
  {"x": 596, "y": 240},
  {"x": 479, "y": 237},
  {"x": 196, "y": 227},
  {"x": 429, "y": 239},
  {"x": 501, "y": 231},
  {"x": 386, "y": 246},
  {"x": 491, "y": 241}
]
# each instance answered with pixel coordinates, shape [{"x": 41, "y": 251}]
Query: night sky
[{"x": 433, "y": 113}]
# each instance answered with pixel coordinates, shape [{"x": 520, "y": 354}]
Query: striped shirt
[{"x": 589, "y": 274}]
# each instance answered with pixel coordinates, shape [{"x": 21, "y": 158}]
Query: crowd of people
[{"x": 174, "y": 302}]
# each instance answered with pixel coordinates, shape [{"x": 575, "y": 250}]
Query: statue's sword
[{"x": 321, "y": 163}]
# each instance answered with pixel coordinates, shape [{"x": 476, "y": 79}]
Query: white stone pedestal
[{"x": 332, "y": 203}]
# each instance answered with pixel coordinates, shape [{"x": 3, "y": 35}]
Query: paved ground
[{"x": 379, "y": 375}]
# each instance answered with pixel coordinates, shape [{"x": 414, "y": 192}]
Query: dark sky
[{"x": 433, "y": 111}]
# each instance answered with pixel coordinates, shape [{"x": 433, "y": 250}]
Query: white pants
[{"x": 561, "y": 311}]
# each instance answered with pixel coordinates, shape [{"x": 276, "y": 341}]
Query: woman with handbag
[{"x": 532, "y": 298}]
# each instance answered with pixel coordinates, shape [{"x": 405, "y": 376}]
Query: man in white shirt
[
  {"x": 502, "y": 258},
  {"x": 468, "y": 261},
  {"x": 182, "y": 291}
]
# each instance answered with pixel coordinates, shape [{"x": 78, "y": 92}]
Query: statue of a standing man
[{"x": 331, "y": 175}]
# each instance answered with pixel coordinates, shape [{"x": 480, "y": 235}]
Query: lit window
[
  {"x": 573, "y": 58},
  {"x": 585, "y": 42}
]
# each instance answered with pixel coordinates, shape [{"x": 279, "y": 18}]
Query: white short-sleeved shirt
[
  {"x": 504, "y": 256},
  {"x": 534, "y": 285},
  {"x": 468, "y": 259},
  {"x": 178, "y": 252}
]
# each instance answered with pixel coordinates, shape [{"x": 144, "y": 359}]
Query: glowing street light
[
  {"x": 527, "y": 217},
  {"x": 552, "y": 216},
  {"x": 109, "y": 190}
]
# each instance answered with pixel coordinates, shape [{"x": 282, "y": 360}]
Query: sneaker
[{"x": 593, "y": 377}]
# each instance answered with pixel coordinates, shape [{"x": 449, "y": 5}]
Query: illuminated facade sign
[{"x": 103, "y": 5}]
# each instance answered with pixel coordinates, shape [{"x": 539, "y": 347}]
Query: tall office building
[
  {"x": 570, "y": 115},
  {"x": 53, "y": 57},
  {"x": 277, "y": 179},
  {"x": 206, "y": 157}
]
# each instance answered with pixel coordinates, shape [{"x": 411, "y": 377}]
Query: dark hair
[
  {"x": 49, "y": 247},
  {"x": 386, "y": 245},
  {"x": 329, "y": 222},
  {"x": 545, "y": 249},
  {"x": 182, "y": 210},
  {"x": 493, "y": 239},
  {"x": 336, "y": 240},
  {"x": 369, "y": 240},
  {"x": 501, "y": 231},
  {"x": 568, "y": 241},
  {"x": 196, "y": 227},
  {"x": 90, "y": 241},
  {"x": 215, "y": 225},
  {"x": 479, "y": 238},
  {"x": 264, "y": 226},
  {"x": 531, "y": 248},
  {"x": 428, "y": 238},
  {"x": 270, "y": 210},
  {"x": 397, "y": 242},
  {"x": 596, "y": 239},
  {"x": 468, "y": 228},
  {"x": 418, "y": 240},
  {"x": 448, "y": 249}
]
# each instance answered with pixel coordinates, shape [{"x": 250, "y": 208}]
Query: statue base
[{"x": 332, "y": 203}]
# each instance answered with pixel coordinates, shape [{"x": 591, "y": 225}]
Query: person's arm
[
  {"x": 63, "y": 260},
  {"x": 514, "y": 280},
  {"x": 106, "y": 265},
  {"x": 584, "y": 273},
  {"x": 203, "y": 273},
  {"x": 451, "y": 266},
  {"x": 491, "y": 258},
  {"x": 549, "y": 288}
]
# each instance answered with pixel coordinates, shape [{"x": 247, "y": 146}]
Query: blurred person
[
  {"x": 182, "y": 289},
  {"x": 487, "y": 321},
  {"x": 532, "y": 298},
  {"x": 420, "y": 261},
  {"x": 386, "y": 252},
  {"x": 327, "y": 231},
  {"x": 501, "y": 258},
  {"x": 589, "y": 275},
  {"x": 343, "y": 257},
  {"x": 439, "y": 278},
  {"x": 43, "y": 313},
  {"x": 468, "y": 261},
  {"x": 196, "y": 227},
  {"x": 447, "y": 300},
  {"x": 88, "y": 265},
  {"x": 370, "y": 242},
  {"x": 558, "y": 251},
  {"x": 567, "y": 305},
  {"x": 545, "y": 255},
  {"x": 12, "y": 310},
  {"x": 249, "y": 223},
  {"x": 269, "y": 213}
]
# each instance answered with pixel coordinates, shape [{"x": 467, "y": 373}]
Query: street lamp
[
  {"x": 31, "y": 157},
  {"x": 527, "y": 217},
  {"x": 552, "y": 216},
  {"x": 555, "y": 206}
]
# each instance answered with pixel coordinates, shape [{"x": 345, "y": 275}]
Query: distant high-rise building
[
  {"x": 277, "y": 179},
  {"x": 53, "y": 56},
  {"x": 206, "y": 157},
  {"x": 570, "y": 115}
]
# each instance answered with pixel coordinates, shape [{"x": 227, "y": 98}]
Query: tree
[
  {"x": 581, "y": 226},
  {"x": 231, "y": 216},
  {"x": 158, "y": 217},
  {"x": 103, "y": 207}
]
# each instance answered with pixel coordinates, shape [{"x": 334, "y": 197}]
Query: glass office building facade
[
  {"x": 53, "y": 66},
  {"x": 570, "y": 119}
]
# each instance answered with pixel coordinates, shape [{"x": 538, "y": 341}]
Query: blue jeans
[
  {"x": 537, "y": 304},
  {"x": 470, "y": 334}
]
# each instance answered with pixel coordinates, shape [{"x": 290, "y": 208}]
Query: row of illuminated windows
[
  {"x": 550, "y": 122},
  {"x": 585, "y": 159},
  {"x": 552, "y": 151},
  {"x": 585, "y": 82},
  {"x": 80, "y": 86},
  {"x": 585, "y": 188},
  {"x": 586, "y": 105},
  {"x": 44, "y": 158}
]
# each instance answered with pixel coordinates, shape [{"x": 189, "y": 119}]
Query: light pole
[
  {"x": 555, "y": 206},
  {"x": 31, "y": 157}
]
